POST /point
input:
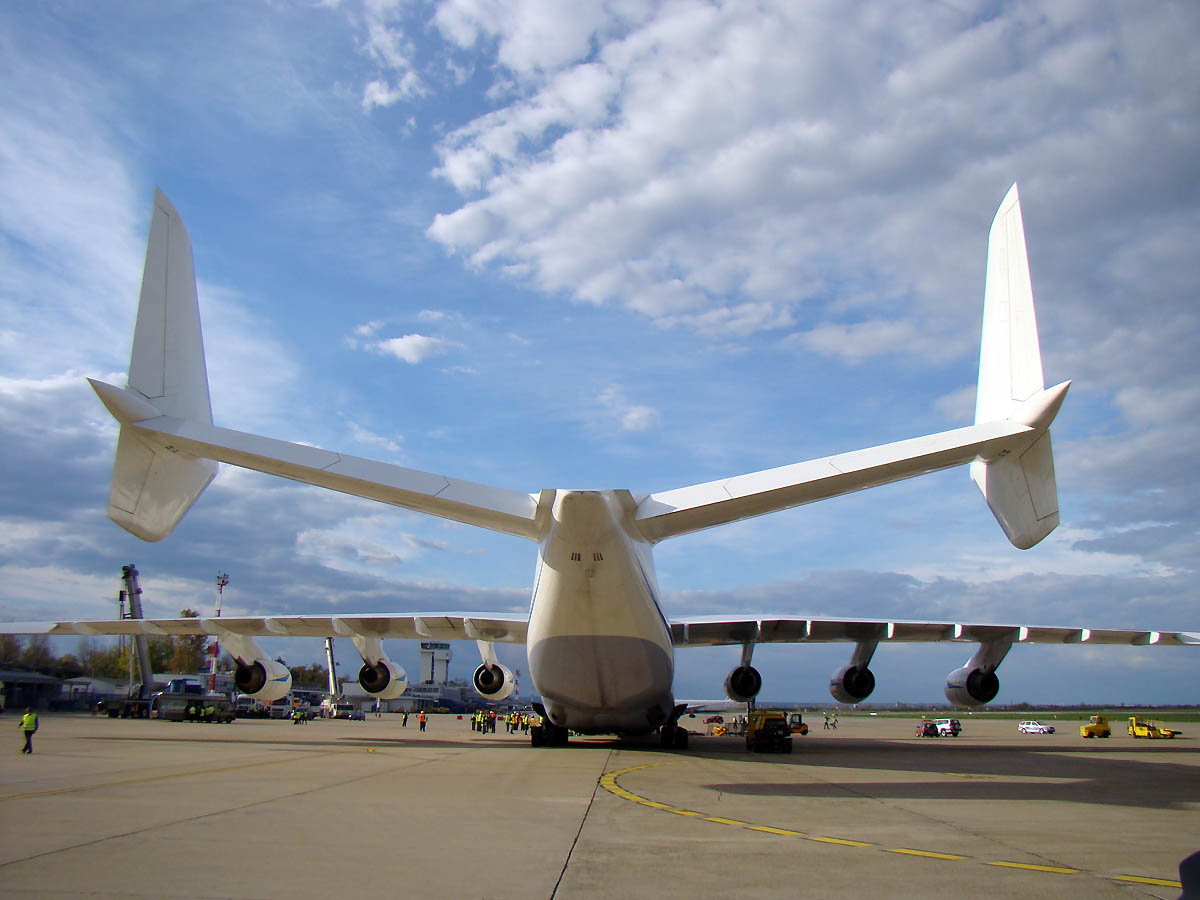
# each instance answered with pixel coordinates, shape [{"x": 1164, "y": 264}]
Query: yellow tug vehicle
[{"x": 1144, "y": 728}]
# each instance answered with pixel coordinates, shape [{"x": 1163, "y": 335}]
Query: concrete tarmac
[{"x": 265, "y": 809}]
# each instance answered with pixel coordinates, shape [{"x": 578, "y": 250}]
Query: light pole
[{"x": 215, "y": 649}]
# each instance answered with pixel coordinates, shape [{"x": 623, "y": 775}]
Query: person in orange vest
[{"x": 421, "y": 719}]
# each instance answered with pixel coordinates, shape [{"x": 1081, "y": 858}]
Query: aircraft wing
[
  {"x": 503, "y": 628},
  {"x": 707, "y": 631}
]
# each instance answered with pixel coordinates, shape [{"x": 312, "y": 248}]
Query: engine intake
[
  {"x": 386, "y": 680},
  {"x": 263, "y": 679},
  {"x": 972, "y": 686},
  {"x": 493, "y": 682},
  {"x": 743, "y": 684},
  {"x": 852, "y": 684}
]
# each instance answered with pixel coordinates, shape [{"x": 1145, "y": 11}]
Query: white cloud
[
  {"x": 412, "y": 348},
  {"x": 697, "y": 162},
  {"x": 632, "y": 417}
]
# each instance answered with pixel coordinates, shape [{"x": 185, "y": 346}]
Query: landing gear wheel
[{"x": 548, "y": 735}]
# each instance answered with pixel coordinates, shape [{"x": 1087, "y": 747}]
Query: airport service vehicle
[
  {"x": 1032, "y": 727},
  {"x": 601, "y": 651},
  {"x": 927, "y": 728},
  {"x": 767, "y": 731},
  {"x": 134, "y": 706},
  {"x": 1097, "y": 727},
  {"x": 193, "y": 707},
  {"x": 247, "y": 707},
  {"x": 340, "y": 709},
  {"x": 1144, "y": 728},
  {"x": 797, "y": 724},
  {"x": 948, "y": 727}
]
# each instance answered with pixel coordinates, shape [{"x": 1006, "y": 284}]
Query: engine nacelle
[
  {"x": 743, "y": 684},
  {"x": 971, "y": 687},
  {"x": 493, "y": 682},
  {"x": 852, "y": 684},
  {"x": 263, "y": 679},
  {"x": 387, "y": 681}
]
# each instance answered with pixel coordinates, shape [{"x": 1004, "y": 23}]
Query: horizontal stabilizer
[
  {"x": 152, "y": 488},
  {"x": 1021, "y": 492}
]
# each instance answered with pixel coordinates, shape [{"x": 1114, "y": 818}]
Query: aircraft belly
[{"x": 603, "y": 683}]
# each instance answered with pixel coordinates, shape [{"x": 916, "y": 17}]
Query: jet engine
[
  {"x": 494, "y": 682},
  {"x": 385, "y": 680},
  {"x": 852, "y": 684},
  {"x": 264, "y": 679},
  {"x": 972, "y": 686},
  {"x": 743, "y": 684}
]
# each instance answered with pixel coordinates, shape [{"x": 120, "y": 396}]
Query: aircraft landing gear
[
  {"x": 548, "y": 735},
  {"x": 673, "y": 737}
]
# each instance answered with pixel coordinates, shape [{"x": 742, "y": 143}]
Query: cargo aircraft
[{"x": 600, "y": 648}]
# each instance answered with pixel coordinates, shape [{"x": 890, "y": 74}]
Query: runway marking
[
  {"x": 1138, "y": 879},
  {"x": 609, "y": 782},
  {"x": 1058, "y": 870},
  {"x": 928, "y": 853}
]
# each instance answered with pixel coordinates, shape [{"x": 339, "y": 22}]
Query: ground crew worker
[
  {"x": 421, "y": 719},
  {"x": 28, "y": 725},
  {"x": 404, "y": 719}
]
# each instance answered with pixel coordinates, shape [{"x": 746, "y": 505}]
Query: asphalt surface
[{"x": 113, "y": 808}]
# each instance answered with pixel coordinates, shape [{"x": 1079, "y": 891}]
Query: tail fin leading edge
[
  {"x": 153, "y": 486},
  {"x": 1020, "y": 487}
]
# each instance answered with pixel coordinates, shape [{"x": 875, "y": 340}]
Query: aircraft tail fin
[
  {"x": 1019, "y": 486},
  {"x": 152, "y": 485}
]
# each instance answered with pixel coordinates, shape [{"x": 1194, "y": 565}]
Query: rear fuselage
[{"x": 600, "y": 651}]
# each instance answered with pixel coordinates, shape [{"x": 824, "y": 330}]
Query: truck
[
  {"x": 1097, "y": 727},
  {"x": 137, "y": 705},
  {"x": 1144, "y": 728},
  {"x": 186, "y": 700},
  {"x": 768, "y": 731},
  {"x": 339, "y": 708}
]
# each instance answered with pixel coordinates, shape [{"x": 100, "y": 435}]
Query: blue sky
[{"x": 616, "y": 245}]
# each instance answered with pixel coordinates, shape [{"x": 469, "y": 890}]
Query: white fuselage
[{"x": 600, "y": 650}]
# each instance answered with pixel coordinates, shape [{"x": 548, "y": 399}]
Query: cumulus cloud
[
  {"x": 393, "y": 52},
  {"x": 412, "y": 348},
  {"x": 717, "y": 166},
  {"x": 632, "y": 417}
]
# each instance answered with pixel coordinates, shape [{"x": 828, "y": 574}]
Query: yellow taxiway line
[{"x": 609, "y": 782}]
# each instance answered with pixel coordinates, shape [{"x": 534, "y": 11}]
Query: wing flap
[
  {"x": 498, "y": 627},
  {"x": 707, "y": 631}
]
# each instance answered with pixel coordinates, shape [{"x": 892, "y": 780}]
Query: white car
[{"x": 1032, "y": 727}]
